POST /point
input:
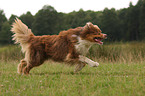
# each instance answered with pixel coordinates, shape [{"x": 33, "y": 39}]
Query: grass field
[
  {"x": 115, "y": 76},
  {"x": 53, "y": 79}
]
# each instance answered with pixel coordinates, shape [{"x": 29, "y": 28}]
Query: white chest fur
[{"x": 83, "y": 46}]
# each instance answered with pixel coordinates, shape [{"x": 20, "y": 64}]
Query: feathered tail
[{"x": 21, "y": 34}]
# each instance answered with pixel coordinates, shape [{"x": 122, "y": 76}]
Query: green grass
[
  {"x": 116, "y": 52},
  {"x": 54, "y": 79},
  {"x": 121, "y": 73},
  {"x": 10, "y": 52},
  {"x": 120, "y": 52}
]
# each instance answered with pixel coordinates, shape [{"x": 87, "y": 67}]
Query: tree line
[{"x": 127, "y": 24}]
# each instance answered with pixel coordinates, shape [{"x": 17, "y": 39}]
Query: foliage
[
  {"x": 5, "y": 37},
  {"x": 110, "y": 21},
  {"x": 2, "y": 18},
  {"x": 45, "y": 21},
  {"x": 27, "y": 19},
  {"x": 141, "y": 3}
]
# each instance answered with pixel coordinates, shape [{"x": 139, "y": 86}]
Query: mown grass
[
  {"x": 121, "y": 73},
  {"x": 52, "y": 79}
]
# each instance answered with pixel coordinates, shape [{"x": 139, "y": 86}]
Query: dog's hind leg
[
  {"x": 34, "y": 60},
  {"x": 29, "y": 66},
  {"x": 27, "y": 69},
  {"x": 79, "y": 67},
  {"x": 21, "y": 66}
]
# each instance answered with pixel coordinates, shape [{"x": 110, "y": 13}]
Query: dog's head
[{"x": 92, "y": 33}]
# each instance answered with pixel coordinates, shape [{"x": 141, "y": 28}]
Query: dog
[{"x": 68, "y": 46}]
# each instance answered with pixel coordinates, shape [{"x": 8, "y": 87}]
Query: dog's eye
[{"x": 98, "y": 33}]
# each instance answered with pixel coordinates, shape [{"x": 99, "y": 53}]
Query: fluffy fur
[{"x": 69, "y": 46}]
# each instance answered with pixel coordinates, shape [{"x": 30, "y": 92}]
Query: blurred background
[
  {"x": 122, "y": 20},
  {"x": 124, "y": 24}
]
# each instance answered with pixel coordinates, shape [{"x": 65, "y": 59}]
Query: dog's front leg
[
  {"x": 79, "y": 67},
  {"x": 88, "y": 61}
]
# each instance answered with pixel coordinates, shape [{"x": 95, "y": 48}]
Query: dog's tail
[{"x": 22, "y": 34}]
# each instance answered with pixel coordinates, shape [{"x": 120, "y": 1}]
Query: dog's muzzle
[{"x": 104, "y": 36}]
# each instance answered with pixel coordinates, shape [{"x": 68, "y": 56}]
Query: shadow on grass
[
  {"x": 64, "y": 73},
  {"x": 116, "y": 74}
]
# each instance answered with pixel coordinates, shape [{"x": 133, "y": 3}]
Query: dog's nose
[{"x": 105, "y": 36}]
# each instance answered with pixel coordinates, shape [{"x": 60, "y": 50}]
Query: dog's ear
[{"x": 89, "y": 25}]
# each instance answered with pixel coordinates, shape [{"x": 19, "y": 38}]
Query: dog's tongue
[{"x": 99, "y": 41}]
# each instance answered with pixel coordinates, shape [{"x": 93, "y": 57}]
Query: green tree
[
  {"x": 75, "y": 19},
  {"x": 79, "y": 19},
  {"x": 2, "y": 18},
  {"x": 110, "y": 24},
  {"x": 123, "y": 26},
  {"x": 27, "y": 19},
  {"x": 94, "y": 17},
  {"x": 141, "y": 5},
  {"x": 45, "y": 21},
  {"x": 12, "y": 18},
  {"x": 5, "y": 37},
  {"x": 133, "y": 23}
]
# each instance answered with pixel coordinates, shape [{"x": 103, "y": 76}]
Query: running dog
[{"x": 68, "y": 46}]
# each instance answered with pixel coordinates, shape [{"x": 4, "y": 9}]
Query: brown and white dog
[{"x": 69, "y": 46}]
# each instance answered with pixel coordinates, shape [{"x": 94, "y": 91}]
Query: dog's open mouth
[{"x": 98, "y": 40}]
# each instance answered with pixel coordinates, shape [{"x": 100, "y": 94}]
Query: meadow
[{"x": 121, "y": 73}]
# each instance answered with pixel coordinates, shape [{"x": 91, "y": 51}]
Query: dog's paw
[{"x": 94, "y": 64}]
